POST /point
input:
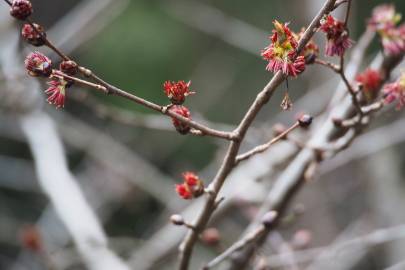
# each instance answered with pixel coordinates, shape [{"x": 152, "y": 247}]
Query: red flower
[
  {"x": 281, "y": 53},
  {"x": 371, "y": 81},
  {"x": 38, "y": 64},
  {"x": 384, "y": 17},
  {"x": 181, "y": 127},
  {"x": 32, "y": 36},
  {"x": 184, "y": 191},
  {"x": 337, "y": 37},
  {"x": 192, "y": 186},
  {"x": 21, "y": 9},
  {"x": 395, "y": 91},
  {"x": 57, "y": 92},
  {"x": 177, "y": 91},
  {"x": 190, "y": 178}
]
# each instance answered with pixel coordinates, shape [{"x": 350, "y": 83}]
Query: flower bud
[
  {"x": 69, "y": 67},
  {"x": 181, "y": 127},
  {"x": 32, "y": 36},
  {"x": 38, "y": 64},
  {"x": 301, "y": 239},
  {"x": 269, "y": 218},
  {"x": 305, "y": 120},
  {"x": 177, "y": 220},
  {"x": 210, "y": 237},
  {"x": 21, "y": 9}
]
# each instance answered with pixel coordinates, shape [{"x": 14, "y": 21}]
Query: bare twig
[{"x": 264, "y": 147}]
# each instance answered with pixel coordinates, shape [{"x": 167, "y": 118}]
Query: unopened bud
[
  {"x": 269, "y": 218},
  {"x": 211, "y": 237},
  {"x": 305, "y": 120},
  {"x": 21, "y": 9},
  {"x": 177, "y": 220}
]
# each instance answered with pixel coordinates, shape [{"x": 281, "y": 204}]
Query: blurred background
[{"x": 126, "y": 159}]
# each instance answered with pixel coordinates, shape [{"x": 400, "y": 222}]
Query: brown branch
[
  {"x": 328, "y": 64},
  {"x": 262, "y": 98},
  {"x": 60, "y": 74},
  {"x": 113, "y": 90}
]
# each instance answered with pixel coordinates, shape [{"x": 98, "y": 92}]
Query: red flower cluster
[
  {"x": 371, "y": 81},
  {"x": 32, "y": 36},
  {"x": 38, "y": 64},
  {"x": 337, "y": 36},
  {"x": 21, "y": 9},
  {"x": 177, "y": 91},
  {"x": 57, "y": 92},
  {"x": 384, "y": 20},
  {"x": 281, "y": 53},
  {"x": 395, "y": 91},
  {"x": 192, "y": 186},
  {"x": 181, "y": 127}
]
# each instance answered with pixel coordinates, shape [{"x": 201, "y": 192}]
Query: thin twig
[
  {"x": 60, "y": 74},
  {"x": 264, "y": 147},
  {"x": 328, "y": 64}
]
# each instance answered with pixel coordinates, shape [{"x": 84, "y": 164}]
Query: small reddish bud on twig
[
  {"x": 301, "y": 239},
  {"x": 31, "y": 238},
  {"x": 181, "y": 127},
  {"x": 21, "y": 9},
  {"x": 38, "y": 64},
  {"x": 269, "y": 218},
  {"x": 32, "y": 36},
  {"x": 211, "y": 237},
  {"x": 305, "y": 120},
  {"x": 69, "y": 67},
  {"x": 278, "y": 129},
  {"x": 177, "y": 220}
]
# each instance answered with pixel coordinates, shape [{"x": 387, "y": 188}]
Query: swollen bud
[
  {"x": 35, "y": 37},
  {"x": 21, "y": 9},
  {"x": 69, "y": 67},
  {"x": 181, "y": 127},
  {"x": 305, "y": 120},
  {"x": 177, "y": 220},
  {"x": 210, "y": 237},
  {"x": 269, "y": 218}
]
